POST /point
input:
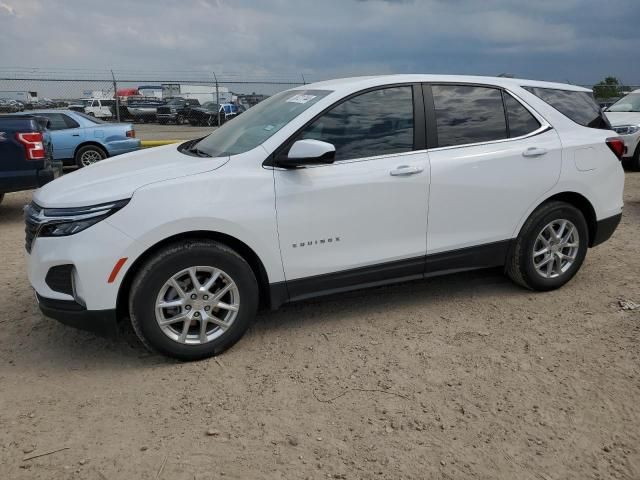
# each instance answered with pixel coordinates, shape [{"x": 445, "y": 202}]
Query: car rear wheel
[
  {"x": 180, "y": 120},
  {"x": 193, "y": 300},
  {"x": 550, "y": 248},
  {"x": 88, "y": 155}
]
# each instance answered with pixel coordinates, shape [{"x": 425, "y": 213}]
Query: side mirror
[{"x": 308, "y": 152}]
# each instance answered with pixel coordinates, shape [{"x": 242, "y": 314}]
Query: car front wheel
[
  {"x": 550, "y": 248},
  {"x": 193, "y": 300}
]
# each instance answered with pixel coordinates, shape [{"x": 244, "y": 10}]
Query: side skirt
[{"x": 470, "y": 258}]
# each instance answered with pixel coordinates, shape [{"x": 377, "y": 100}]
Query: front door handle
[
  {"x": 75, "y": 134},
  {"x": 534, "y": 152},
  {"x": 403, "y": 170}
]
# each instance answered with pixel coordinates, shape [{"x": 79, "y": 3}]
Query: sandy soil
[{"x": 459, "y": 377}]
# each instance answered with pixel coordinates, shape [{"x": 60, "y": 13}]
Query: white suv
[
  {"x": 624, "y": 115},
  {"x": 324, "y": 188}
]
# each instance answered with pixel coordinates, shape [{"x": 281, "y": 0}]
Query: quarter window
[
  {"x": 467, "y": 114},
  {"x": 373, "y": 123},
  {"x": 521, "y": 122},
  {"x": 579, "y": 106}
]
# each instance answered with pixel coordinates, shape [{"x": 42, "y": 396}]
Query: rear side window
[
  {"x": 521, "y": 122},
  {"x": 468, "y": 114},
  {"x": 578, "y": 106},
  {"x": 56, "y": 121}
]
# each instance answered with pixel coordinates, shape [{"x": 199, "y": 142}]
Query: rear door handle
[
  {"x": 403, "y": 170},
  {"x": 75, "y": 134},
  {"x": 534, "y": 152}
]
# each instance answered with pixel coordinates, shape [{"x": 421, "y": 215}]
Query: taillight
[
  {"x": 32, "y": 141},
  {"x": 131, "y": 133},
  {"x": 617, "y": 146}
]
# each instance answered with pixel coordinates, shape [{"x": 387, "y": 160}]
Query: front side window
[
  {"x": 521, "y": 122},
  {"x": 373, "y": 123},
  {"x": 468, "y": 114}
]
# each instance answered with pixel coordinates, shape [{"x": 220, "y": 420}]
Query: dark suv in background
[{"x": 176, "y": 110}]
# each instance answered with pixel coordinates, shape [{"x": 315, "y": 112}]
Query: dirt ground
[{"x": 458, "y": 377}]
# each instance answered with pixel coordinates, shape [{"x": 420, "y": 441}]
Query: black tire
[
  {"x": 633, "y": 163},
  {"x": 182, "y": 255},
  {"x": 180, "y": 120},
  {"x": 1, "y": 197},
  {"x": 162, "y": 122},
  {"x": 92, "y": 150},
  {"x": 520, "y": 266},
  {"x": 193, "y": 122}
]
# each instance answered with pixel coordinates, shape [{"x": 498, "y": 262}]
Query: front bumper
[
  {"x": 69, "y": 312},
  {"x": 91, "y": 254}
]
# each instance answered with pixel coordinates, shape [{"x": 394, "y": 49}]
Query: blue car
[{"x": 80, "y": 139}]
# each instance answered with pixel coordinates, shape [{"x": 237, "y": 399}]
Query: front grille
[
  {"x": 164, "y": 110},
  {"x": 32, "y": 224}
]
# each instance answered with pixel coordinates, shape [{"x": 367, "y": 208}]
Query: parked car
[
  {"x": 80, "y": 139},
  {"x": 207, "y": 114},
  {"x": 25, "y": 150},
  {"x": 324, "y": 188},
  {"x": 624, "y": 115},
  {"x": 176, "y": 110},
  {"x": 7, "y": 106}
]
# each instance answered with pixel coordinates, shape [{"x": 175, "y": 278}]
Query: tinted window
[
  {"x": 374, "y": 123},
  {"x": 56, "y": 121},
  {"x": 467, "y": 114},
  {"x": 578, "y": 106},
  {"x": 521, "y": 122}
]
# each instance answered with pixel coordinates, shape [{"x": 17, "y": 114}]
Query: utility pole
[
  {"x": 304, "y": 82},
  {"x": 115, "y": 94},
  {"x": 217, "y": 97}
]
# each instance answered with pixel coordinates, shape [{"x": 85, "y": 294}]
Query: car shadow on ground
[{"x": 71, "y": 348}]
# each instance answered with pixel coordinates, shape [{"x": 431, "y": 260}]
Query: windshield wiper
[
  {"x": 191, "y": 148},
  {"x": 198, "y": 152}
]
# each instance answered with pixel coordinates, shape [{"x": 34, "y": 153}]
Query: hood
[
  {"x": 623, "y": 118},
  {"x": 119, "y": 177}
]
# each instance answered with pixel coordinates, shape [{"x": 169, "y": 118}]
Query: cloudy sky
[{"x": 580, "y": 41}]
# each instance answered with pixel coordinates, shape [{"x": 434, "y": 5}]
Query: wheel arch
[
  {"x": 93, "y": 143},
  {"x": 582, "y": 203},
  {"x": 246, "y": 252}
]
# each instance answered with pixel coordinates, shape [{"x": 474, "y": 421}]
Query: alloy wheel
[
  {"x": 197, "y": 305},
  {"x": 90, "y": 157},
  {"x": 555, "y": 248}
]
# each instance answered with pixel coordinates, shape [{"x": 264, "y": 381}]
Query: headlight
[
  {"x": 61, "y": 222},
  {"x": 626, "y": 129}
]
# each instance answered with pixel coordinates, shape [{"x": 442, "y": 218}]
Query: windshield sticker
[{"x": 301, "y": 98}]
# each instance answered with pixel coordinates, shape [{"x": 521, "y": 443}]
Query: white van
[{"x": 99, "y": 107}]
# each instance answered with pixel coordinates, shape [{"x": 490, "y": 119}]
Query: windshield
[
  {"x": 257, "y": 124},
  {"x": 630, "y": 103},
  {"x": 89, "y": 117}
]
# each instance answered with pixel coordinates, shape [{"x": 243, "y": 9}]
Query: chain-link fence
[
  {"x": 204, "y": 99},
  {"x": 163, "y": 97}
]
